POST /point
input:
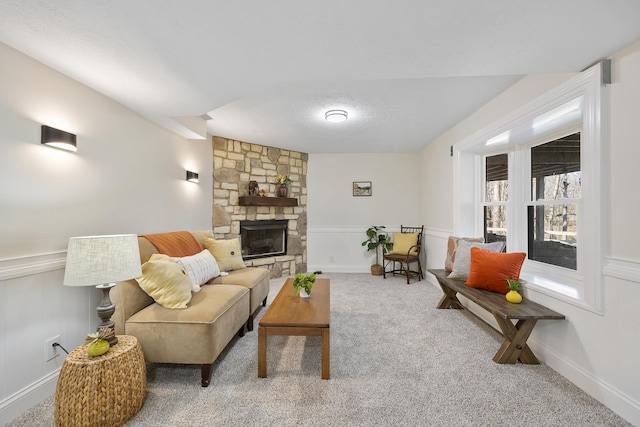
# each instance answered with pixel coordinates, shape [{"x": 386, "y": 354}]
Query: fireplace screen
[{"x": 263, "y": 238}]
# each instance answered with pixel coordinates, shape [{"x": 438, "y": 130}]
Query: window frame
[
  {"x": 530, "y": 200},
  {"x": 581, "y": 287},
  {"x": 501, "y": 203}
]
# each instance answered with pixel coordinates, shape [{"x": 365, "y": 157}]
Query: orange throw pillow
[{"x": 490, "y": 270}]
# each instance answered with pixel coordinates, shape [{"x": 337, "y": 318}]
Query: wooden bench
[{"x": 527, "y": 313}]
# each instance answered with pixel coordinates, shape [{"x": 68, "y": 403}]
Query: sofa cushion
[
  {"x": 200, "y": 268},
  {"x": 490, "y": 270},
  {"x": 254, "y": 278},
  {"x": 462, "y": 260},
  {"x": 402, "y": 242},
  {"x": 196, "y": 335},
  {"x": 227, "y": 253},
  {"x": 165, "y": 281}
]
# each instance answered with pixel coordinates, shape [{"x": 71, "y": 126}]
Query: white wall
[
  {"x": 599, "y": 353},
  {"x": 337, "y": 220},
  {"x": 128, "y": 176}
]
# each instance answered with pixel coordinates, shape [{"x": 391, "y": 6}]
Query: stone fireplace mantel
[{"x": 267, "y": 201}]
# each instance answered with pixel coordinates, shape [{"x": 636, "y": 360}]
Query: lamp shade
[{"x": 94, "y": 260}]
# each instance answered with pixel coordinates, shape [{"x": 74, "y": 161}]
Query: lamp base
[{"x": 105, "y": 310}]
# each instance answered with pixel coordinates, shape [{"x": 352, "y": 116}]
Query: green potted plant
[
  {"x": 513, "y": 295},
  {"x": 375, "y": 240},
  {"x": 303, "y": 284}
]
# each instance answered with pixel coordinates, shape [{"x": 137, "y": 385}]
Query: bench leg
[
  {"x": 449, "y": 299},
  {"x": 515, "y": 342}
]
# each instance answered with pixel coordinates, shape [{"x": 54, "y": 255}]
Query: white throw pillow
[
  {"x": 462, "y": 259},
  {"x": 200, "y": 268}
]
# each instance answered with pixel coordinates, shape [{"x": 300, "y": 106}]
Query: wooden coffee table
[{"x": 291, "y": 315}]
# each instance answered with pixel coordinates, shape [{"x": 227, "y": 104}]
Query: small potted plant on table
[{"x": 303, "y": 284}]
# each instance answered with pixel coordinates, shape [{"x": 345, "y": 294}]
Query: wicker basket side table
[{"x": 104, "y": 390}]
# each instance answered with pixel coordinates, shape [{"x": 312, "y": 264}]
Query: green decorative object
[
  {"x": 99, "y": 341},
  {"x": 375, "y": 240},
  {"x": 513, "y": 295},
  {"x": 303, "y": 284}
]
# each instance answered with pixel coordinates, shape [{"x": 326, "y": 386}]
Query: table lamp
[{"x": 101, "y": 261}]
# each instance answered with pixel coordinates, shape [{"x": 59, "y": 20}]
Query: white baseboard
[
  {"x": 609, "y": 396},
  {"x": 338, "y": 268},
  {"x": 20, "y": 402}
]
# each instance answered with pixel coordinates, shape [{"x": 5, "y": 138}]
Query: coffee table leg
[
  {"x": 325, "y": 353},
  {"x": 262, "y": 352}
]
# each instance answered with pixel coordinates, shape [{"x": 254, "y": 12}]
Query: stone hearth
[{"x": 235, "y": 163}]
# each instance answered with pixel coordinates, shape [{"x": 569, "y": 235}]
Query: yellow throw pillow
[
  {"x": 165, "y": 281},
  {"x": 402, "y": 242},
  {"x": 226, "y": 252}
]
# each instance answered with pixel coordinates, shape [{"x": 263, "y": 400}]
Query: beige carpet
[{"x": 395, "y": 361}]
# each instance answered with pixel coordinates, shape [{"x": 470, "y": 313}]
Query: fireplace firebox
[{"x": 261, "y": 239}]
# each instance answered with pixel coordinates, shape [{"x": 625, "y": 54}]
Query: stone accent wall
[{"x": 235, "y": 163}]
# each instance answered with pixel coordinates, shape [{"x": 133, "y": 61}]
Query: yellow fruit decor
[
  {"x": 99, "y": 341},
  {"x": 513, "y": 295}
]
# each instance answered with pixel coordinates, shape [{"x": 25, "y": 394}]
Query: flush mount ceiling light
[{"x": 335, "y": 116}]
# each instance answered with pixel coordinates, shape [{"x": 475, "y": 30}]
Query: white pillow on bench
[{"x": 462, "y": 258}]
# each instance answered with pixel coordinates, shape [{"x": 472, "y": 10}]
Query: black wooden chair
[{"x": 406, "y": 251}]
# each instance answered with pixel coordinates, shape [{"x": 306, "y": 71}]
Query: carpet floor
[{"x": 395, "y": 361}]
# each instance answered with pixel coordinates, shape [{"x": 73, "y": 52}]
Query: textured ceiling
[{"x": 265, "y": 72}]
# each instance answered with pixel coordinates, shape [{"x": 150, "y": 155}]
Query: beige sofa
[{"x": 199, "y": 333}]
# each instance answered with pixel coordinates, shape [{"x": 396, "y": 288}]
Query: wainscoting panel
[
  {"x": 436, "y": 247},
  {"x": 337, "y": 249},
  {"x": 34, "y": 307}
]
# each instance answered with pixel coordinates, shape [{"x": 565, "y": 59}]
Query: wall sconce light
[
  {"x": 192, "y": 176},
  {"x": 335, "y": 116},
  {"x": 58, "y": 138}
]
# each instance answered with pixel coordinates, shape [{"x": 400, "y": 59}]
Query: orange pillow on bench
[{"x": 490, "y": 270}]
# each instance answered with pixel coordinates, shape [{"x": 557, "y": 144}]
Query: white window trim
[{"x": 468, "y": 188}]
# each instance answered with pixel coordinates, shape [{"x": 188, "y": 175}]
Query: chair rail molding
[
  {"x": 13, "y": 268},
  {"x": 622, "y": 269},
  {"x": 436, "y": 232}
]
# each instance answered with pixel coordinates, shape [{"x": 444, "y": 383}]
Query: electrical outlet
[
  {"x": 51, "y": 352},
  {"x": 331, "y": 259}
]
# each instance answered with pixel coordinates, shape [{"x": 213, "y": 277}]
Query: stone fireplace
[{"x": 235, "y": 163}]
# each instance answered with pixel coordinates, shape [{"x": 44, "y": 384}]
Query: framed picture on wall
[{"x": 361, "y": 188}]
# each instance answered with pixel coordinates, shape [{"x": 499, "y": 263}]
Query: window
[
  {"x": 496, "y": 197},
  {"x": 533, "y": 179},
  {"x": 552, "y": 213}
]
